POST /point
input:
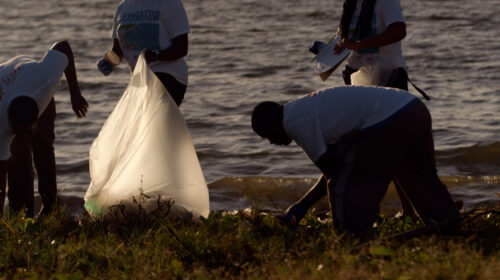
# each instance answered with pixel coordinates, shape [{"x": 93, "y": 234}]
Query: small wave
[
  {"x": 237, "y": 193},
  {"x": 277, "y": 193},
  {"x": 263, "y": 71},
  {"x": 71, "y": 168},
  {"x": 444, "y": 17},
  {"x": 318, "y": 15},
  {"x": 480, "y": 154}
]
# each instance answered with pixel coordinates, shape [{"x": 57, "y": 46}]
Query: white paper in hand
[
  {"x": 326, "y": 61},
  {"x": 144, "y": 150}
]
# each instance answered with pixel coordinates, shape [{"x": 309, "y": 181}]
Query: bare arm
[
  {"x": 315, "y": 193},
  {"x": 328, "y": 163},
  {"x": 78, "y": 102},
  {"x": 395, "y": 32},
  {"x": 3, "y": 183},
  {"x": 178, "y": 49}
]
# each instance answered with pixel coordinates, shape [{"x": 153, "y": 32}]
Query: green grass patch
[{"x": 243, "y": 245}]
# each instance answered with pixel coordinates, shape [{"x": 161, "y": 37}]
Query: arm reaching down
[
  {"x": 298, "y": 210},
  {"x": 78, "y": 102}
]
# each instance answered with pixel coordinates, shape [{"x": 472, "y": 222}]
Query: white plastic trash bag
[{"x": 144, "y": 154}]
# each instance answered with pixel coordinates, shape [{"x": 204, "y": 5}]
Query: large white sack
[{"x": 145, "y": 148}]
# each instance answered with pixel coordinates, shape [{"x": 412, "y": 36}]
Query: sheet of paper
[{"x": 326, "y": 59}]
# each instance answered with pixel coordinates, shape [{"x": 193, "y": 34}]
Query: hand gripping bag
[{"x": 144, "y": 154}]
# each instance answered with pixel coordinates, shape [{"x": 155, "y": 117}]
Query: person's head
[
  {"x": 22, "y": 113},
  {"x": 267, "y": 122}
]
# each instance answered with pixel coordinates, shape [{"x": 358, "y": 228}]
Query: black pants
[
  {"x": 34, "y": 146},
  {"x": 401, "y": 150},
  {"x": 176, "y": 89},
  {"x": 398, "y": 79}
]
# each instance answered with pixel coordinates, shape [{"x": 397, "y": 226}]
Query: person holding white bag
[{"x": 158, "y": 27}]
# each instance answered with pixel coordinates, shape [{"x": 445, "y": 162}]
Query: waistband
[{"x": 391, "y": 117}]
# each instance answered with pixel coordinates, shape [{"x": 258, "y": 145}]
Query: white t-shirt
[
  {"x": 151, "y": 24},
  {"x": 25, "y": 76},
  {"x": 323, "y": 117},
  {"x": 385, "y": 13}
]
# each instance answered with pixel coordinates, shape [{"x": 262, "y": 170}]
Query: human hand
[
  {"x": 293, "y": 215},
  {"x": 150, "y": 56},
  {"x": 104, "y": 66},
  {"x": 345, "y": 44},
  {"x": 79, "y": 104}
]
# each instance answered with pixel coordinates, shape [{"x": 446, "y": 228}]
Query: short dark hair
[
  {"x": 264, "y": 113},
  {"x": 23, "y": 112}
]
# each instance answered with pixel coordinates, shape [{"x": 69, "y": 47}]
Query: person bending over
[
  {"x": 27, "y": 114},
  {"x": 361, "y": 138}
]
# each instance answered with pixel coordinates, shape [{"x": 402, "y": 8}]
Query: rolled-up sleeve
[{"x": 308, "y": 135}]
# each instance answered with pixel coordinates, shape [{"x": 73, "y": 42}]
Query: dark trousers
[
  {"x": 397, "y": 79},
  {"x": 176, "y": 89},
  {"x": 402, "y": 149},
  {"x": 35, "y": 146}
]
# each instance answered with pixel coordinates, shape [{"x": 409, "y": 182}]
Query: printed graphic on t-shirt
[
  {"x": 140, "y": 36},
  {"x": 140, "y": 30},
  {"x": 9, "y": 78}
]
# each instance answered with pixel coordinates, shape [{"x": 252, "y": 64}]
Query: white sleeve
[
  {"x": 54, "y": 63},
  {"x": 51, "y": 69},
  {"x": 115, "y": 24},
  {"x": 175, "y": 19},
  {"x": 308, "y": 135},
  {"x": 392, "y": 12}
]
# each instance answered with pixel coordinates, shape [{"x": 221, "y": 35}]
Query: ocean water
[{"x": 247, "y": 51}]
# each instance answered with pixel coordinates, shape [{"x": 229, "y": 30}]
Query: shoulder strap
[{"x": 419, "y": 90}]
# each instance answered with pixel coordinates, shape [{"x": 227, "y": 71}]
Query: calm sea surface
[{"x": 246, "y": 51}]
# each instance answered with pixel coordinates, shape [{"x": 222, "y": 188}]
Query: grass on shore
[{"x": 244, "y": 245}]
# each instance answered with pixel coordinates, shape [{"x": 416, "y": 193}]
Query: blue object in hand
[
  {"x": 105, "y": 67},
  {"x": 317, "y": 47}
]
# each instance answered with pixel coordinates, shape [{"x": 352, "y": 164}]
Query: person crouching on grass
[
  {"x": 361, "y": 138},
  {"x": 27, "y": 114}
]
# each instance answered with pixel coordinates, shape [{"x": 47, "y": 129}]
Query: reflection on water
[{"x": 244, "y": 52}]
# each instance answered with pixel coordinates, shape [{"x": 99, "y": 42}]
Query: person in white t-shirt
[
  {"x": 27, "y": 115},
  {"x": 373, "y": 30},
  {"x": 158, "y": 27},
  {"x": 361, "y": 138}
]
